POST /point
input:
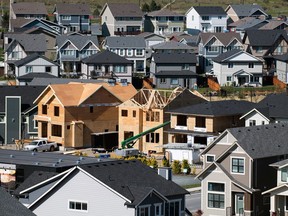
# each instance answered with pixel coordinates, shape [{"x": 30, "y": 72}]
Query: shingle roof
[
  {"x": 30, "y": 76},
  {"x": 262, "y": 141},
  {"x": 72, "y": 9},
  {"x": 55, "y": 80},
  {"x": 10, "y": 206},
  {"x": 225, "y": 55},
  {"x": 28, "y": 95},
  {"x": 30, "y": 58},
  {"x": 29, "y": 8},
  {"x": 179, "y": 58},
  {"x": 78, "y": 40},
  {"x": 216, "y": 108},
  {"x": 283, "y": 57},
  {"x": 224, "y": 37},
  {"x": 30, "y": 42},
  {"x": 277, "y": 103},
  {"x": 125, "y": 9},
  {"x": 273, "y": 24},
  {"x": 248, "y": 23},
  {"x": 179, "y": 74},
  {"x": 245, "y": 10},
  {"x": 106, "y": 57},
  {"x": 265, "y": 37},
  {"x": 210, "y": 10},
  {"x": 130, "y": 178},
  {"x": 172, "y": 45},
  {"x": 125, "y": 42},
  {"x": 164, "y": 12}
]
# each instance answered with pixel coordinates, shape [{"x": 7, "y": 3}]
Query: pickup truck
[{"x": 41, "y": 145}]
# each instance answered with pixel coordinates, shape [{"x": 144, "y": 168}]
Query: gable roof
[
  {"x": 283, "y": 57},
  {"x": 248, "y": 23},
  {"x": 260, "y": 141},
  {"x": 30, "y": 58},
  {"x": 264, "y": 37},
  {"x": 79, "y": 41},
  {"x": 72, "y": 9},
  {"x": 29, "y": 42},
  {"x": 37, "y": 81},
  {"x": 264, "y": 112},
  {"x": 227, "y": 56},
  {"x": 106, "y": 57},
  {"x": 29, "y": 8},
  {"x": 224, "y": 37},
  {"x": 210, "y": 10},
  {"x": 28, "y": 95},
  {"x": 179, "y": 58},
  {"x": 172, "y": 45},
  {"x": 10, "y": 206},
  {"x": 215, "y": 108},
  {"x": 244, "y": 10},
  {"x": 164, "y": 12},
  {"x": 123, "y": 9},
  {"x": 125, "y": 42},
  {"x": 274, "y": 24}
]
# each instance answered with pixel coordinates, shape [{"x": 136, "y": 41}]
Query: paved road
[
  {"x": 193, "y": 201},
  {"x": 183, "y": 180}
]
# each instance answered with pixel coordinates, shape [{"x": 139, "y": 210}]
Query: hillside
[{"x": 273, "y": 7}]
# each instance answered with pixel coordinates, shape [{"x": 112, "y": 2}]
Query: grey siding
[
  {"x": 2, "y": 133},
  {"x": 152, "y": 201},
  {"x": 13, "y": 118},
  {"x": 167, "y": 83}
]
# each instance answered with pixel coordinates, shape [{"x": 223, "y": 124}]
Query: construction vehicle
[{"x": 127, "y": 145}]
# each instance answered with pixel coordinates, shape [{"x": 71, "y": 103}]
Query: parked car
[
  {"x": 41, "y": 145},
  {"x": 252, "y": 84}
]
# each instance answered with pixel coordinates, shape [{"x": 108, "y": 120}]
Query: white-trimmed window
[
  {"x": 158, "y": 209},
  {"x": 175, "y": 207},
  {"x": 216, "y": 195},
  {"x": 251, "y": 65},
  {"x": 210, "y": 158},
  {"x": 68, "y": 52},
  {"x": 2, "y": 119},
  {"x": 205, "y": 17},
  {"x": 259, "y": 49},
  {"x": 230, "y": 65},
  {"x": 237, "y": 165},
  {"x": 185, "y": 67},
  {"x": 65, "y": 17},
  {"x": 121, "y": 52},
  {"x": 15, "y": 55},
  {"x": 139, "y": 52},
  {"x": 229, "y": 78},
  {"x": 129, "y": 52},
  {"x": 119, "y": 69},
  {"x": 25, "y": 119},
  {"x": 35, "y": 123},
  {"x": 48, "y": 69},
  {"x": 77, "y": 205},
  {"x": 29, "y": 69},
  {"x": 144, "y": 210},
  {"x": 284, "y": 174},
  {"x": 162, "y": 80},
  {"x": 174, "y": 81},
  {"x": 213, "y": 48},
  {"x": 252, "y": 122}
]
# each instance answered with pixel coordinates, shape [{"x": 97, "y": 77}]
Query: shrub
[
  {"x": 152, "y": 162},
  {"x": 165, "y": 162},
  {"x": 176, "y": 167},
  {"x": 185, "y": 165}
]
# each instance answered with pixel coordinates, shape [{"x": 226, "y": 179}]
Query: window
[
  {"x": 200, "y": 122},
  {"x": 66, "y": 17},
  {"x": 210, "y": 158},
  {"x": 216, "y": 200},
  {"x": 220, "y": 187},
  {"x": 152, "y": 116},
  {"x": 152, "y": 138},
  {"x": 284, "y": 174},
  {"x": 219, "y": 17},
  {"x": 144, "y": 210},
  {"x": 252, "y": 122},
  {"x": 35, "y": 123},
  {"x": 57, "y": 130},
  {"x": 48, "y": 69},
  {"x": 124, "y": 113},
  {"x": 251, "y": 65},
  {"x": 229, "y": 78},
  {"x": 218, "y": 29},
  {"x": 182, "y": 120},
  {"x": 68, "y": 52},
  {"x": 44, "y": 109},
  {"x": 68, "y": 127},
  {"x": 119, "y": 69},
  {"x": 162, "y": 80},
  {"x": 237, "y": 165},
  {"x": 134, "y": 113},
  {"x": 129, "y": 52},
  {"x": 259, "y": 49},
  {"x": 192, "y": 17},
  {"x": 158, "y": 209},
  {"x": 56, "y": 111},
  {"x": 121, "y": 52},
  {"x": 174, "y": 81},
  {"x": 185, "y": 67},
  {"x": 213, "y": 48},
  {"x": 139, "y": 52},
  {"x": 14, "y": 55},
  {"x": 29, "y": 69},
  {"x": 2, "y": 119},
  {"x": 91, "y": 109},
  {"x": 263, "y": 122},
  {"x": 174, "y": 208},
  {"x": 79, "y": 206},
  {"x": 205, "y": 17},
  {"x": 230, "y": 65}
]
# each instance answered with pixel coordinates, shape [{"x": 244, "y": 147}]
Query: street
[{"x": 193, "y": 201}]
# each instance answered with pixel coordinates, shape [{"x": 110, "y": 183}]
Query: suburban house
[
  {"x": 236, "y": 166},
  {"x": 206, "y": 19},
  {"x": 19, "y": 46},
  {"x": 71, "y": 49},
  {"x": 237, "y": 12},
  {"x": 141, "y": 192},
  {"x": 279, "y": 194},
  {"x": 164, "y": 22},
  {"x": 265, "y": 44},
  {"x": 271, "y": 109},
  {"x": 121, "y": 19},
  {"x": 201, "y": 123},
  {"x": 75, "y": 17},
  {"x": 275, "y": 25},
  {"x": 130, "y": 47},
  {"x": 282, "y": 67},
  {"x": 146, "y": 110},
  {"x": 152, "y": 39},
  {"x": 69, "y": 114},
  {"x": 170, "y": 70},
  {"x": 213, "y": 44},
  {"x": 237, "y": 67},
  {"x": 107, "y": 65},
  {"x": 17, "y": 113},
  {"x": 35, "y": 63}
]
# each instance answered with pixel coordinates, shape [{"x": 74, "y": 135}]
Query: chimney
[{"x": 165, "y": 172}]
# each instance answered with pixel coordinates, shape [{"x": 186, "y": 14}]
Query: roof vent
[
  {"x": 60, "y": 160},
  {"x": 81, "y": 158},
  {"x": 37, "y": 163},
  {"x": 12, "y": 156},
  {"x": 279, "y": 146},
  {"x": 99, "y": 159},
  {"x": 78, "y": 162},
  {"x": 54, "y": 165}
]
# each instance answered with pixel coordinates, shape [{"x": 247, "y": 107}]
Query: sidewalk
[{"x": 194, "y": 190}]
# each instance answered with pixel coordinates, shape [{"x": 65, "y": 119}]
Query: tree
[
  {"x": 176, "y": 167},
  {"x": 145, "y": 7},
  {"x": 165, "y": 162},
  {"x": 5, "y": 21},
  {"x": 185, "y": 166},
  {"x": 154, "y": 6}
]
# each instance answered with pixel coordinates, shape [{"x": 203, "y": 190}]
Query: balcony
[
  {"x": 97, "y": 74},
  {"x": 181, "y": 127},
  {"x": 123, "y": 33},
  {"x": 200, "y": 129}
]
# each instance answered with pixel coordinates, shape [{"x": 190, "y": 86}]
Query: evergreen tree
[
  {"x": 145, "y": 7},
  {"x": 5, "y": 21}
]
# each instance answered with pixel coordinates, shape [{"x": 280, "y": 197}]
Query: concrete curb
[{"x": 194, "y": 190}]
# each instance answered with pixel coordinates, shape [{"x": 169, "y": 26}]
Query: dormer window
[{"x": 284, "y": 174}]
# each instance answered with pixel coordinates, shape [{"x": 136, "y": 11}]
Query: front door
[
  {"x": 44, "y": 130},
  {"x": 239, "y": 204}
]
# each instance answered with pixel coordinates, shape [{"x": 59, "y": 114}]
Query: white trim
[
  {"x": 160, "y": 207},
  {"x": 143, "y": 207},
  {"x": 4, "y": 119},
  {"x": 257, "y": 111},
  {"x": 210, "y": 155},
  {"x": 90, "y": 41},
  {"x": 216, "y": 192},
  {"x": 231, "y": 165}
]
